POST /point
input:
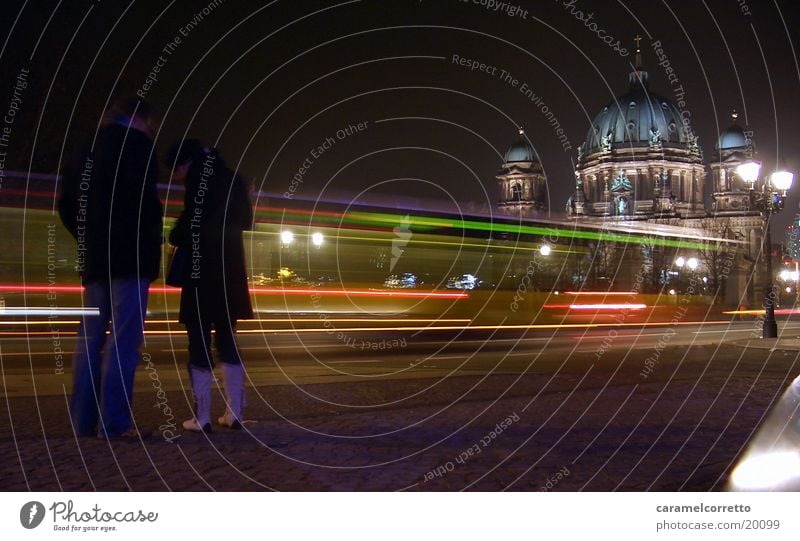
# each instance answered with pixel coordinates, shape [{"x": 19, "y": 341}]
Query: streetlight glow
[
  {"x": 680, "y": 261},
  {"x": 317, "y": 239},
  {"x": 287, "y": 237},
  {"x": 767, "y": 199},
  {"x": 749, "y": 171},
  {"x": 692, "y": 263},
  {"x": 781, "y": 180},
  {"x": 545, "y": 249}
]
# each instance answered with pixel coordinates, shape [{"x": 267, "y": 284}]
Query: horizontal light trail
[
  {"x": 24, "y": 311},
  {"x": 50, "y": 322},
  {"x": 621, "y": 306},
  {"x": 260, "y": 291},
  {"x": 600, "y": 293},
  {"x": 761, "y": 312},
  {"x": 427, "y": 223},
  {"x": 422, "y": 224},
  {"x": 433, "y": 328},
  {"x": 268, "y": 320},
  {"x": 455, "y": 244}
]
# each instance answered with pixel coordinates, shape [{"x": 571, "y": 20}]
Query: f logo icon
[{"x": 31, "y": 515}]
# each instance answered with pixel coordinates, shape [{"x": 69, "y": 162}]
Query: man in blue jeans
[{"x": 109, "y": 202}]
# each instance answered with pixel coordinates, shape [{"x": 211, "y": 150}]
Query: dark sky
[{"x": 268, "y": 81}]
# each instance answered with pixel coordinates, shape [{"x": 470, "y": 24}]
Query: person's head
[
  {"x": 134, "y": 112},
  {"x": 182, "y": 155}
]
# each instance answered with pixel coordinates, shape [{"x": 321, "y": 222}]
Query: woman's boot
[
  {"x": 233, "y": 375},
  {"x": 201, "y": 387}
]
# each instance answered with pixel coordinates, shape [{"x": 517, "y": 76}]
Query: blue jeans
[{"x": 102, "y": 389}]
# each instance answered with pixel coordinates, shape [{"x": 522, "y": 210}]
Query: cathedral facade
[
  {"x": 523, "y": 189},
  {"x": 641, "y": 161}
]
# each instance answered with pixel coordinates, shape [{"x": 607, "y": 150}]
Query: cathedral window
[{"x": 630, "y": 131}]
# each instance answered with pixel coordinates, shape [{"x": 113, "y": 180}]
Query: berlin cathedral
[{"x": 642, "y": 162}]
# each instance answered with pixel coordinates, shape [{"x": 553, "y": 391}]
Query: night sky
[{"x": 267, "y": 82}]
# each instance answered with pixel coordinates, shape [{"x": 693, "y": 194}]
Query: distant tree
[{"x": 718, "y": 256}]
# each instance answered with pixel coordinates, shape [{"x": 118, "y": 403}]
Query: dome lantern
[
  {"x": 521, "y": 151},
  {"x": 734, "y": 136}
]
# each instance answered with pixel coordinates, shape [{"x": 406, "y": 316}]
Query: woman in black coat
[{"x": 214, "y": 291}]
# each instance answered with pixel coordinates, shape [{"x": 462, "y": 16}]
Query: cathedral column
[{"x": 672, "y": 183}]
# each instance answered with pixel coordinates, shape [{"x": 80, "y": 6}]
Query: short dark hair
[
  {"x": 130, "y": 106},
  {"x": 184, "y": 150}
]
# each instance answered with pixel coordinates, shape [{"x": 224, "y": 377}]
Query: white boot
[
  {"x": 233, "y": 375},
  {"x": 201, "y": 387}
]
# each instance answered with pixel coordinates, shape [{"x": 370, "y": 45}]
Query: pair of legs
[
  {"x": 199, "y": 332},
  {"x": 201, "y": 366},
  {"x": 103, "y": 367}
]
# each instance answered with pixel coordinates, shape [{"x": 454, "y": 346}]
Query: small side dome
[
  {"x": 521, "y": 151},
  {"x": 733, "y": 137}
]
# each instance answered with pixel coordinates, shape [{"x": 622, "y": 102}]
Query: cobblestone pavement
[{"x": 592, "y": 424}]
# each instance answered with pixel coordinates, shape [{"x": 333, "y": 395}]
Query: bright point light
[
  {"x": 781, "y": 180},
  {"x": 620, "y": 306},
  {"x": 749, "y": 171},
  {"x": 680, "y": 261},
  {"x": 317, "y": 239},
  {"x": 705, "y": 279},
  {"x": 671, "y": 291},
  {"x": 789, "y": 276},
  {"x": 788, "y": 290},
  {"x": 692, "y": 263},
  {"x": 287, "y": 237},
  {"x": 545, "y": 249},
  {"x": 766, "y": 471}
]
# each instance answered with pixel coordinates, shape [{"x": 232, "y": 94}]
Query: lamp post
[{"x": 768, "y": 199}]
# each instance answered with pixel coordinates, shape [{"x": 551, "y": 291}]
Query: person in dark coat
[
  {"x": 214, "y": 291},
  {"x": 109, "y": 202}
]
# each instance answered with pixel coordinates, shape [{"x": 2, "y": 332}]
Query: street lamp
[
  {"x": 545, "y": 250},
  {"x": 317, "y": 239},
  {"x": 767, "y": 198},
  {"x": 287, "y": 237},
  {"x": 680, "y": 262}
]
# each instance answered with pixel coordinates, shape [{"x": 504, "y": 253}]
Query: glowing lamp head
[
  {"x": 545, "y": 249},
  {"x": 287, "y": 237},
  {"x": 781, "y": 180},
  {"x": 692, "y": 263},
  {"x": 749, "y": 171},
  {"x": 767, "y": 471},
  {"x": 680, "y": 262},
  {"x": 784, "y": 275},
  {"x": 317, "y": 239}
]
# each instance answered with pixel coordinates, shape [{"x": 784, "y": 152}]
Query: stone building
[
  {"x": 641, "y": 161},
  {"x": 523, "y": 189}
]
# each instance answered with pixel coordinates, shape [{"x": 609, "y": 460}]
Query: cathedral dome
[
  {"x": 733, "y": 137},
  {"x": 520, "y": 151},
  {"x": 637, "y": 118}
]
